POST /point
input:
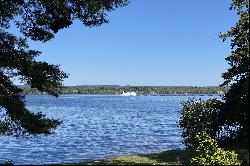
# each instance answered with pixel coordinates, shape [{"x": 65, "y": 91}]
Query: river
[{"x": 99, "y": 127}]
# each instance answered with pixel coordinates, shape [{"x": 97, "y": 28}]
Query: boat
[{"x": 128, "y": 93}]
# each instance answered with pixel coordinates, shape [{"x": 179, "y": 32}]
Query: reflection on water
[{"x": 98, "y": 127}]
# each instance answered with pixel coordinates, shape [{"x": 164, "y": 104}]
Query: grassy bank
[{"x": 171, "y": 157}]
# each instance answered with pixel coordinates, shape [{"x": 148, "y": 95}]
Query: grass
[{"x": 170, "y": 157}]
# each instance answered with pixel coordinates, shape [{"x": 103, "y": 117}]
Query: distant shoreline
[
  {"x": 189, "y": 94},
  {"x": 139, "y": 90}
]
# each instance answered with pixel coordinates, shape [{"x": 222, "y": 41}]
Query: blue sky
[{"x": 148, "y": 42}]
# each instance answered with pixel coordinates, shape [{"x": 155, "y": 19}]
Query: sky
[{"x": 148, "y": 42}]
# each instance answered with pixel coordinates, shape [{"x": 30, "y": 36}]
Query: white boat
[{"x": 128, "y": 93}]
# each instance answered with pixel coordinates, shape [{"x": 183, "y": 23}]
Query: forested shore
[{"x": 140, "y": 90}]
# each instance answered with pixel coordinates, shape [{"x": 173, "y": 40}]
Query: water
[{"x": 99, "y": 127}]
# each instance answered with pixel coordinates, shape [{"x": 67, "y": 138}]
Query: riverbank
[{"x": 170, "y": 157}]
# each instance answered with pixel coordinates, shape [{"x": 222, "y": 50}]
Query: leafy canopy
[
  {"x": 38, "y": 20},
  {"x": 236, "y": 106},
  {"x": 198, "y": 115},
  {"x": 226, "y": 120},
  {"x": 211, "y": 154}
]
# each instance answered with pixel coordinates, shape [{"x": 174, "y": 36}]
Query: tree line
[{"x": 140, "y": 90}]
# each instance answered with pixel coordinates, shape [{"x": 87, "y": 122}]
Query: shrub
[
  {"x": 211, "y": 154},
  {"x": 197, "y": 116},
  {"x": 8, "y": 162}
]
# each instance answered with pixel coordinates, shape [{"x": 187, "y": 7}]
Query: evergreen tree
[
  {"x": 38, "y": 20},
  {"x": 236, "y": 106}
]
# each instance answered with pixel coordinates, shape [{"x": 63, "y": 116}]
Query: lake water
[{"x": 99, "y": 127}]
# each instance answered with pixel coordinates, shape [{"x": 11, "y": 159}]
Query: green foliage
[
  {"x": 140, "y": 90},
  {"x": 38, "y": 20},
  {"x": 239, "y": 35},
  {"x": 8, "y": 162},
  {"x": 198, "y": 115},
  {"x": 211, "y": 154},
  {"x": 235, "y": 110},
  {"x": 231, "y": 115},
  {"x": 170, "y": 157}
]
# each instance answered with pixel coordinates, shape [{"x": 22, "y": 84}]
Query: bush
[
  {"x": 211, "y": 154},
  {"x": 197, "y": 116},
  {"x": 8, "y": 162}
]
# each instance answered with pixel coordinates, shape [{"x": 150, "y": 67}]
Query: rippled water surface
[{"x": 98, "y": 127}]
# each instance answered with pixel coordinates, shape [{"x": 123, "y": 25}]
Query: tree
[
  {"x": 236, "y": 106},
  {"x": 38, "y": 20},
  {"x": 197, "y": 116},
  {"x": 226, "y": 120},
  {"x": 211, "y": 154}
]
